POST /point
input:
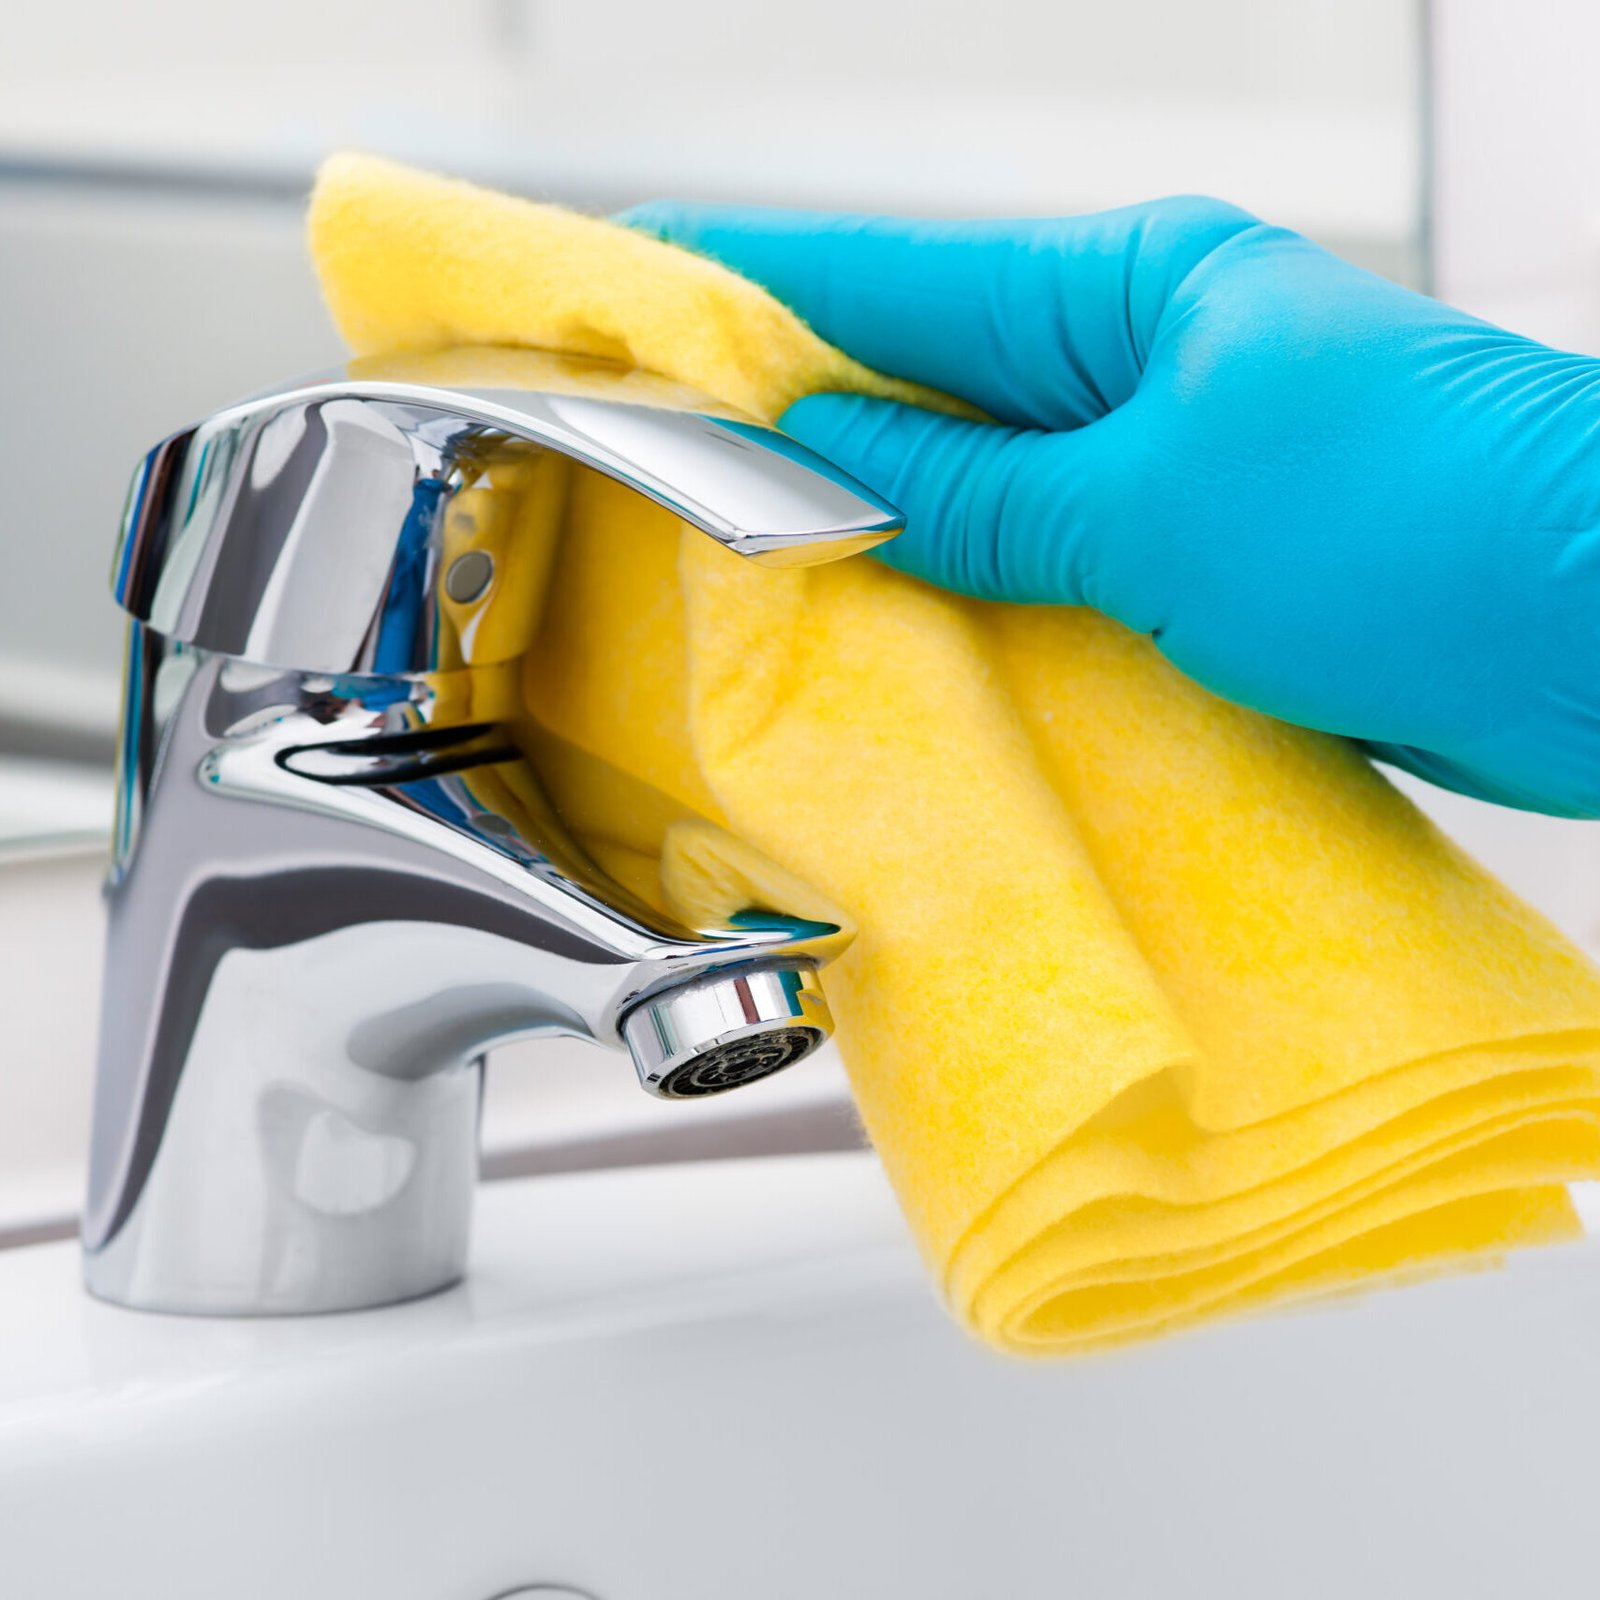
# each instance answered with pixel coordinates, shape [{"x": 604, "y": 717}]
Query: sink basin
[{"x": 730, "y": 1379}]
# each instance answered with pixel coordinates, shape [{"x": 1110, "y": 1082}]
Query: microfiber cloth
[{"x": 1159, "y": 1009}]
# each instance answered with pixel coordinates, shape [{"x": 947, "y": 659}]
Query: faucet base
[
  {"x": 285, "y": 1242},
  {"x": 291, "y": 1177}
]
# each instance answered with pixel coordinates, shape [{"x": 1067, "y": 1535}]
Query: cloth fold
[{"x": 1159, "y": 1010}]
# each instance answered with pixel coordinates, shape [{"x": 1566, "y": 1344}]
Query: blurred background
[{"x": 154, "y": 161}]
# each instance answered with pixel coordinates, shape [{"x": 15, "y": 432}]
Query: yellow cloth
[{"x": 1159, "y": 1009}]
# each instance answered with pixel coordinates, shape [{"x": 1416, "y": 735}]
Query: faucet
[{"x": 342, "y": 870}]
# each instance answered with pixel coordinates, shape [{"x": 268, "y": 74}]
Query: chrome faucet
[{"x": 340, "y": 874}]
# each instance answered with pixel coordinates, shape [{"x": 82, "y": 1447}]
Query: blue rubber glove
[{"x": 1322, "y": 496}]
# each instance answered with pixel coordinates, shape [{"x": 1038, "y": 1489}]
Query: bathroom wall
[{"x": 1306, "y": 109}]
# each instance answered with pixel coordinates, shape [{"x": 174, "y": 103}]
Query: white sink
[{"x": 729, "y": 1380}]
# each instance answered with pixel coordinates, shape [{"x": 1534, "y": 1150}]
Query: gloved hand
[{"x": 1322, "y": 495}]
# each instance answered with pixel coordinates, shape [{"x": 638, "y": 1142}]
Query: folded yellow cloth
[{"x": 1159, "y": 1009}]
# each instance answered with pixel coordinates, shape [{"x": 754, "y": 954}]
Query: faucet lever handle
[{"x": 303, "y": 529}]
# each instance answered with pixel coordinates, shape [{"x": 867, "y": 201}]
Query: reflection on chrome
[{"x": 347, "y": 862}]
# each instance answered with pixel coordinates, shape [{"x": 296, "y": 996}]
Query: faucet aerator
[{"x": 726, "y": 1030}]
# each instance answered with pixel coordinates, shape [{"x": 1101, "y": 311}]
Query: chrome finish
[
  {"x": 304, "y": 529},
  {"x": 725, "y": 1030},
  {"x": 333, "y": 887}
]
